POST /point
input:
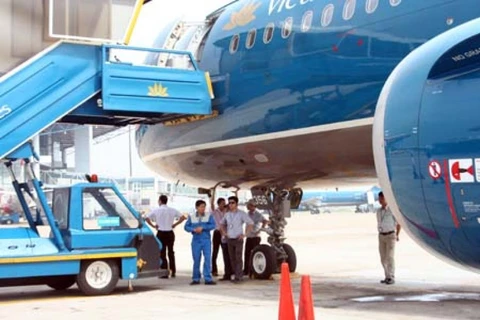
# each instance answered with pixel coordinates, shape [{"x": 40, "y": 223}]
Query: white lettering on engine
[{"x": 472, "y": 53}]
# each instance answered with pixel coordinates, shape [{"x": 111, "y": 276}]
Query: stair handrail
[{"x": 106, "y": 47}]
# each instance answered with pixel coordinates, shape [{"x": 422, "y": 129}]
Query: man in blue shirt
[
  {"x": 232, "y": 228},
  {"x": 200, "y": 224}
]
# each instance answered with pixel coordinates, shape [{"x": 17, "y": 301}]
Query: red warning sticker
[
  {"x": 434, "y": 169},
  {"x": 461, "y": 170},
  {"x": 477, "y": 169}
]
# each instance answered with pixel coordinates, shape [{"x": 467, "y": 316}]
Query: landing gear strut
[{"x": 266, "y": 260}]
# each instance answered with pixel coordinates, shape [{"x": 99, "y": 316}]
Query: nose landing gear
[{"x": 266, "y": 260}]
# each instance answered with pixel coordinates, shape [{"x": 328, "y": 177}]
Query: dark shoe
[
  {"x": 173, "y": 275},
  {"x": 194, "y": 283},
  {"x": 236, "y": 281},
  {"x": 383, "y": 281},
  {"x": 225, "y": 278},
  {"x": 210, "y": 283},
  {"x": 164, "y": 277},
  {"x": 389, "y": 281}
]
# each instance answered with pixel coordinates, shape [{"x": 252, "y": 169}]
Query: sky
[{"x": 162, "y": 11}]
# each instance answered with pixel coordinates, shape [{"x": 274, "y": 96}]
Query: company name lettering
[{"x": 280, "y": 5}]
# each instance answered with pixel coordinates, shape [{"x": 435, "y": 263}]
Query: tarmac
[{"x": 338, "y": 251}]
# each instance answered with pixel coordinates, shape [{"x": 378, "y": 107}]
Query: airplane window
[
  {"x": 287, "y": 28},
  {"x": 251, "y": 38},
  {"x": 268, "y": 33},
  {"x": 395, "y": 3},
  {"x": 349, "y": 9},
  {"x": 327, "y": 15},
  {"x": 307, "y": 21},
  {"x": 371, "y": 6},
  {"x": 234, "y": 44}
]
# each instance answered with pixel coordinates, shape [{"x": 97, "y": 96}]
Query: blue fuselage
[{"x": 296, "y": 108}]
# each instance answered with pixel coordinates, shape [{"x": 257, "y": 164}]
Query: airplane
[
  {"x": 296, "y": 84},
  {"x": 363, "y": 200}
]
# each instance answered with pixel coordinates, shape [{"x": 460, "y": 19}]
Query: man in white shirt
[
  {"x": 217, "y": 242},
  {"x": 388, "y": 231},
  {"x": 164, "y": 217}
]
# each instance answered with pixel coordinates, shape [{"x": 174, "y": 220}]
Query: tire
[
  {"x": 62, "y": 282},
  {"x": 98, "y": 277},
  {"x": 292, "y": 257},
  {"x": 263, "y": 262},
  {"x": 9, "y": 221}
]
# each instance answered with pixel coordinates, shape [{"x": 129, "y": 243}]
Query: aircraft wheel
[
  {"x": 61, "y": 283},
  {"x": 98, "y": 277},
  {"x": 292, "y": 258},
  {"x": 263, "y": 261}
]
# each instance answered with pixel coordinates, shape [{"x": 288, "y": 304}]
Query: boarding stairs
[{"x": 86, "y": 83}]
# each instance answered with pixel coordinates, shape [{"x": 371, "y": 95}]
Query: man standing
[
  {"x": 232, "y": 228},
  {"x": 200, "y": 224},
  {"x": 388, "y": 230},
  {"x": 253, "y": 238},
  {"x": 218, "y": 214},
  {"x": 164, "y": 217}
]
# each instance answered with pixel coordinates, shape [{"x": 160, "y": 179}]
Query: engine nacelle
[{"x": 426, "y": 139}]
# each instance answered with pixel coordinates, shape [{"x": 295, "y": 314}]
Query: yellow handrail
[
  {"x": 133, "y": 21},
  {"x": 209, "y": 85}
]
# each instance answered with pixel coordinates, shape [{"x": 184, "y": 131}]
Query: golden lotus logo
[
  {"x": 242, "y": 17},
  {"x": 157, "y": 90}
]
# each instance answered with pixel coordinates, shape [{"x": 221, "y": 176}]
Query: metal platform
[{"x": 85, "y": 83}]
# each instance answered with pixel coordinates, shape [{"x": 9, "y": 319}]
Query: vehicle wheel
[
  {"x": 263, "y": 261},
  {"x": 9, "y": 221},
  {"x": 292, "y": 258},
  {"x": 98, "y": 277},
  {"x": 61, "y": 283}
]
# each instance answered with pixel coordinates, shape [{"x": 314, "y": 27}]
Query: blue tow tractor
[
  {"x": 95, "y": 239},
  {"x": 89, "y": 234},
  {"x": 93, "y": 236}
]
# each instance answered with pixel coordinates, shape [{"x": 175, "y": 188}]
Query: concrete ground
[{"x": 338, "y": 251}]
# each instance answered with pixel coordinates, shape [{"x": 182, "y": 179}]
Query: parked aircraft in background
[{"x": 317, "y": 201}]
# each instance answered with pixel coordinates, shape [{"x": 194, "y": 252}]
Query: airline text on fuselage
[{"x": 280, "y": 5}]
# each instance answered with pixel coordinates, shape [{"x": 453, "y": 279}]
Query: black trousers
[
  {"x": 226, "y": 261},
  {"x": 235, "y": 248},
  {"x": 167, "y": 238},
  {"x": 217, "y": 239},
  {"x": 250, "y": 244}
]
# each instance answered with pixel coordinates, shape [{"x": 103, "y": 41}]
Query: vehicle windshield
[{"x": 103, "y": 208}]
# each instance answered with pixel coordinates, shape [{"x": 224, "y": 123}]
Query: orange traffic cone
[
  {"x": 305, "y": 305},
  {"x": 286, "y": 310}
]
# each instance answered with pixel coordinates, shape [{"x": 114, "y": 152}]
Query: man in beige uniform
[{"x": 389, "y": 230}]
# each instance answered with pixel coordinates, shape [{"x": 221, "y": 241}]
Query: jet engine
[{"x": 426, "y": 140}]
